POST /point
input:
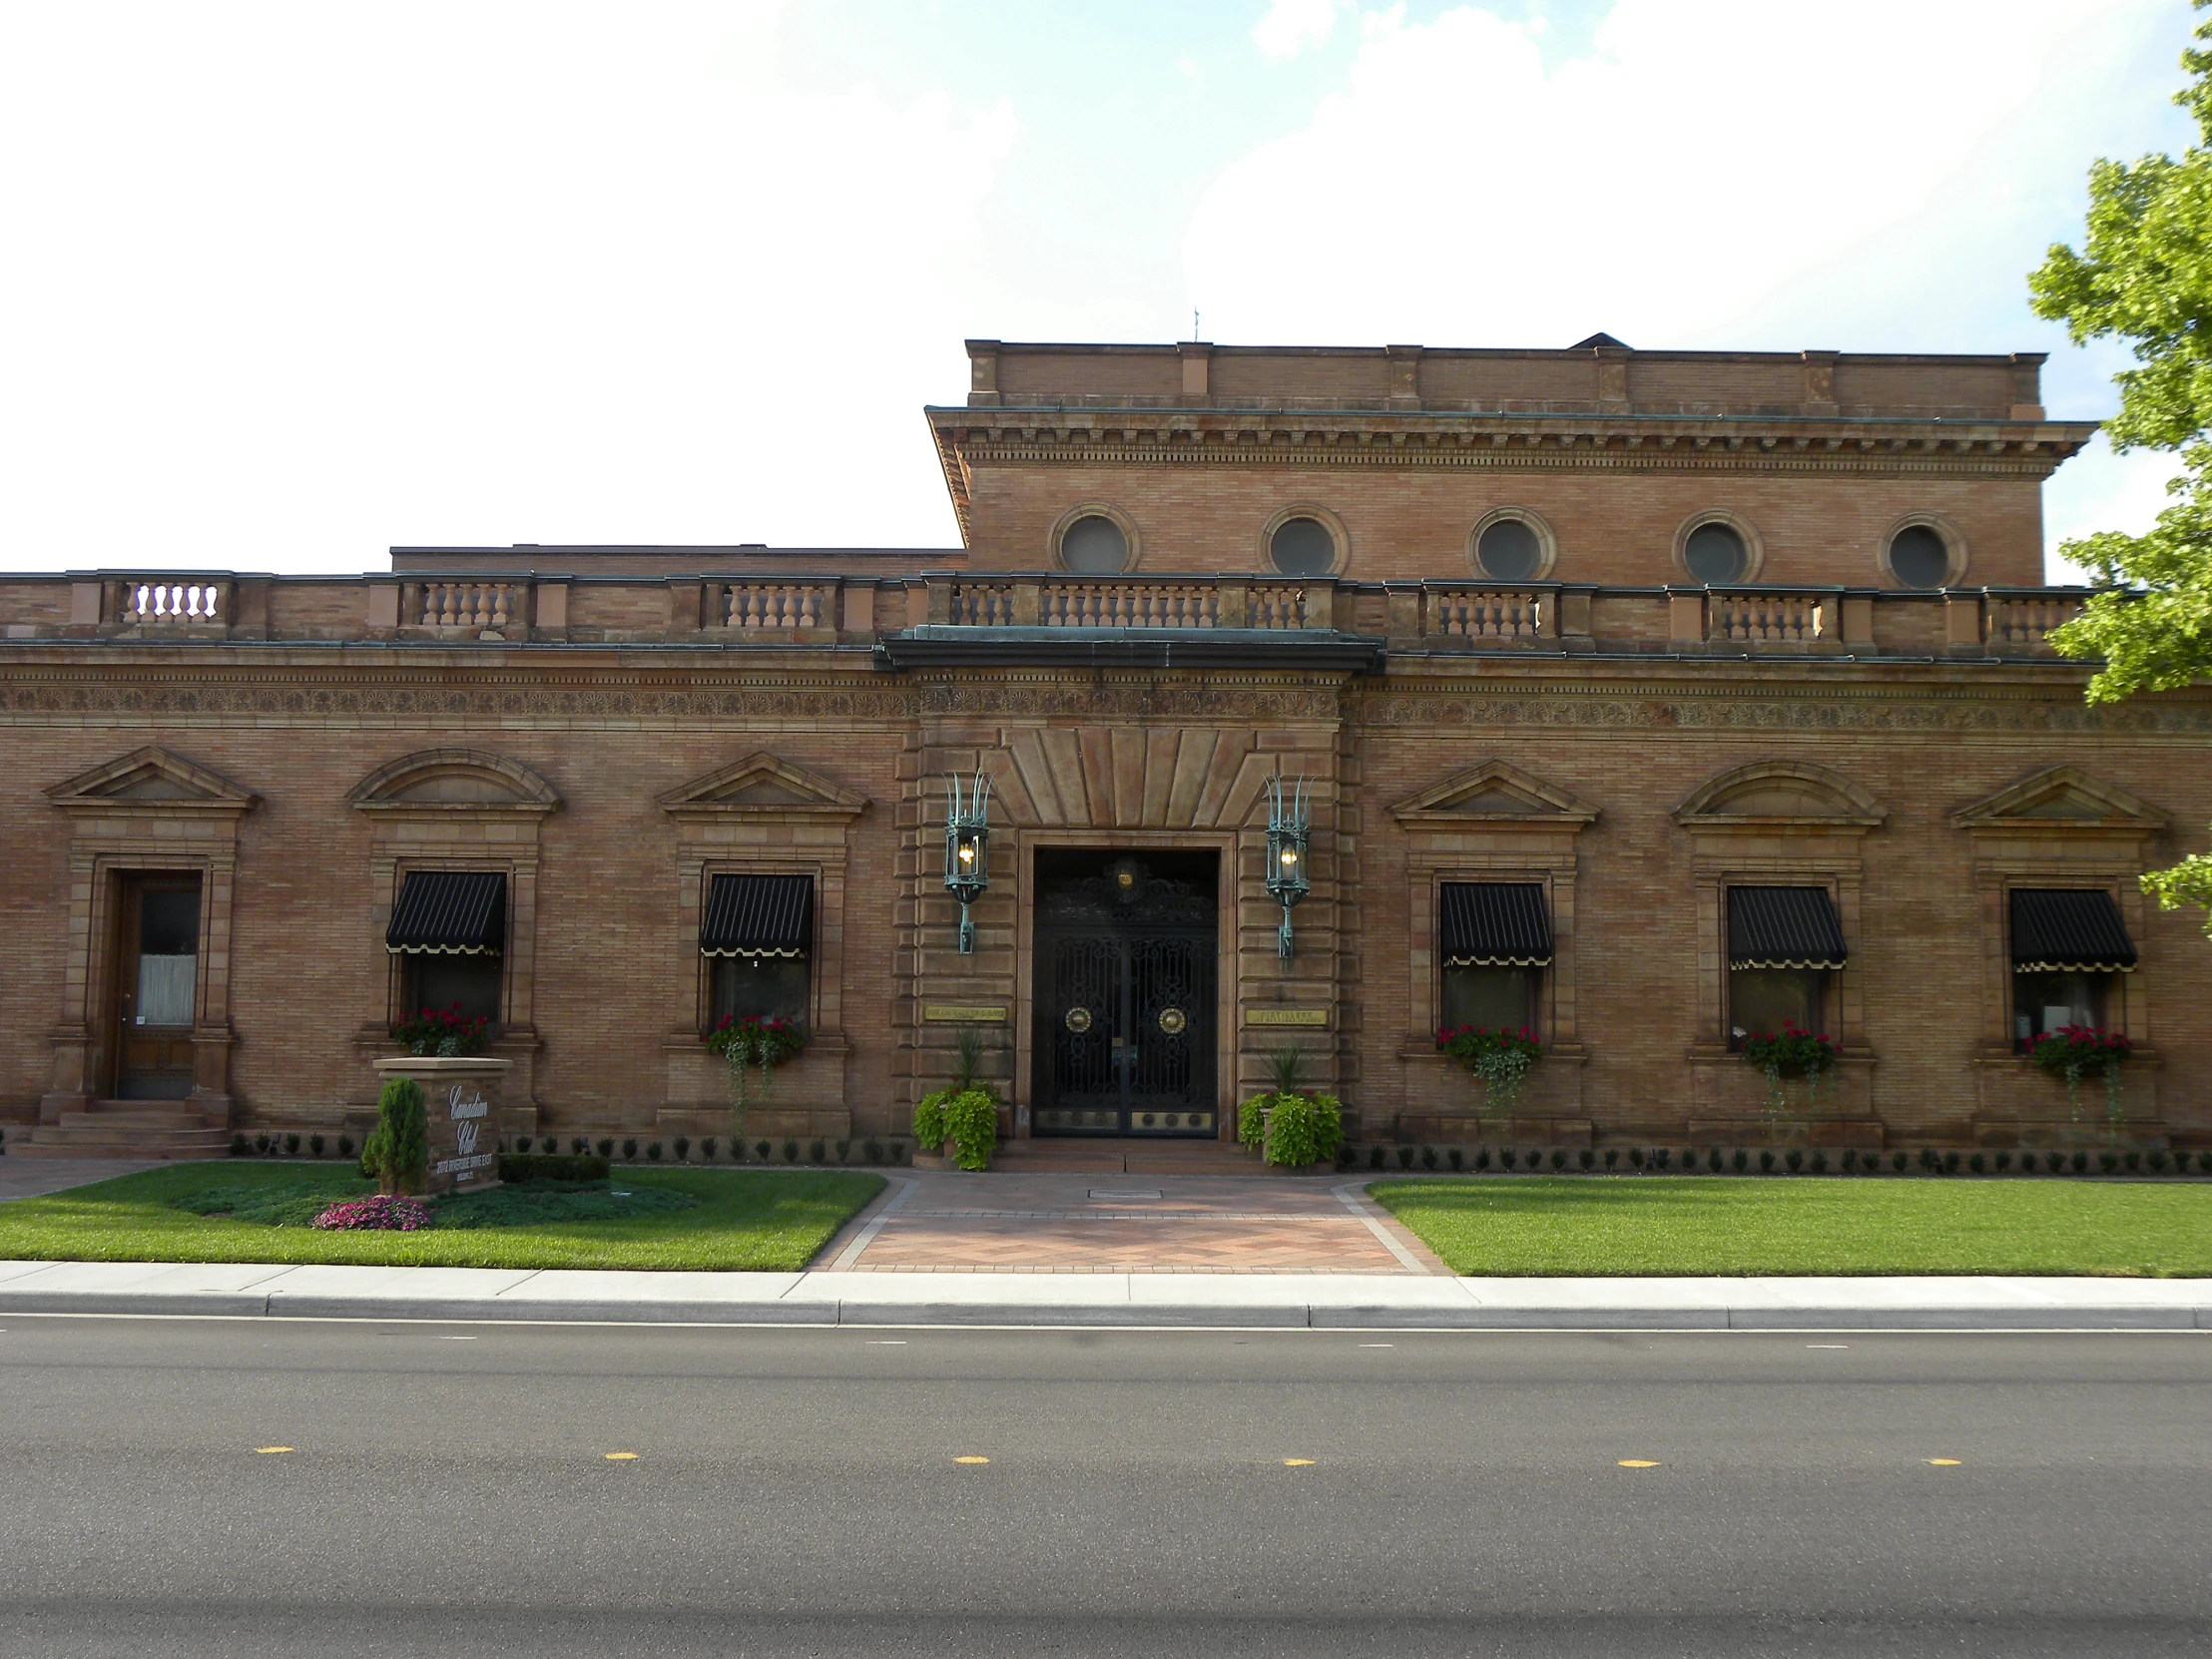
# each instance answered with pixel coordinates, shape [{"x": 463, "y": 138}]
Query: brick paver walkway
[{"x": 995, "y": 1223}]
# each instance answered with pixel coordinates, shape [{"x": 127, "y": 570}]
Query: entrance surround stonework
[{"x": 613, "y": 727}]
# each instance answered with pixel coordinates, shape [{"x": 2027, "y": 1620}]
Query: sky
[{"x": 286, "y": 285}]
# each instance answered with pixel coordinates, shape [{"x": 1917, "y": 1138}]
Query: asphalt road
[{"x": 448, "y": 1490}]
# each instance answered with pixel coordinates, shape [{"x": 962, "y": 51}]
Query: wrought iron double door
[
  {"x": 1125, "y": 1011},
  {"x": 1131, "y": 1036}
]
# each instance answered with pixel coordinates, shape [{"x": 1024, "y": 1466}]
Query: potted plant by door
[
  {"x": 958, "y": 1127},
  {"x": 1290, "y": 1128}
]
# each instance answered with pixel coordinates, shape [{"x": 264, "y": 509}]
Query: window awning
[
  {"x": 1495, "y": 924},
  {"x": 1783, "y": 927},
  {"x": 758, "y": 915},
  {"x": 2069, "y": 930},
  {"x": 449, "y": 913}
]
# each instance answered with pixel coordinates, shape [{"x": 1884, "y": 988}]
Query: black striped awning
[
  {"x": 449, "y": 913},
  {"x": 758, "y": 915},
  {"x": 1783, "y": 927},
  {"x": 1495, "y": 924},
  {"x": 2069, "y": 930}
]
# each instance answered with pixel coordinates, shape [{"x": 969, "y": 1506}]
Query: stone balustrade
[{"x": 803, "y": 611}]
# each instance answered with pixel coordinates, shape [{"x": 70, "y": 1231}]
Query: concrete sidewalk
[{"x": 1321, "y": 1301}]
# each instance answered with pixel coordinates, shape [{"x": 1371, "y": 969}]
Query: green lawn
[
  {"x": 1695, "y": 1225},
  {"x": 716, "y": 1220}
]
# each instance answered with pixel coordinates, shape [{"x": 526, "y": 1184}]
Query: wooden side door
[{"x": 158, "y": 985}]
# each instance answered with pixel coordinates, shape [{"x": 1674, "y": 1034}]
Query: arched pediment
[
  {"x": 761, "y": 783},
  {"x": 455, "y": 779},
  {"x": 151, "y": 779},
  {"x": 1780, "y": 794},
  {"x": 1494, "y": 791},
  {"x": 2059, "y": 799}
]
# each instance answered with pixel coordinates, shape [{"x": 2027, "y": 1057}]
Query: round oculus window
[
  {"x": 1716, "y": 553},
  {"x": 1094, "y": 545},
  {"x": 1509, "y": 551},
  {"x": 1919, "y": 557},
  {"x": 1303, "y": 547}
]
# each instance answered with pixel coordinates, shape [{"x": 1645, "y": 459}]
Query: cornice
[{"x": 1572, "y": 442}]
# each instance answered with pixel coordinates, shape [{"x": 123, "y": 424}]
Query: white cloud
[
  {"x": 305, "y": 281},
  {"x": 1293, "y": 26}
]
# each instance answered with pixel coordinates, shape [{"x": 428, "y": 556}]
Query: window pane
[
  {"x": 1715, "y": 553},
  {"x": 1490, "y": 998},
  {"x": 1918, "y": 558},
  {"x": 1303, "y": 547},
  {"x": 1094, "y": 545},
  {"x": 441, "y": 982},
  {"x": 767, "y": 988},
  {"x": 2042, "y": 1003},
  {"x": 165, "y": 989},
  {"x": 1509, "y": 551},
  {"x": 1759, "y": 1001},
  {"x": 169, "y": 921}
]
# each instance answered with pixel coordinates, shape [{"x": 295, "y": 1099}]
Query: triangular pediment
[
  {"x": 151, "y": 779},
  {"x": 454, "y": 780},
  {"x": 1493, "y": 791},
  {"x": 1780, "y": 795},
  {"x": 761, "y": 782},
  {"x": 2060, "y": 799}
]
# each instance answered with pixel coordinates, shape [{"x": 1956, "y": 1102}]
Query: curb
[{"x": 1095, "y": 1316}]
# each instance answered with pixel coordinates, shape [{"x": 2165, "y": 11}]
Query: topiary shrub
[
  {"x": 653, "y": 1151},
  {"x": 1974, "y": 1163},
  {"x": 1795, "y": 1158},
  {"x": 578, "y": 1146},
  {"x": 1306, "y": 1129},
  {"x": 1929, "y": 1161},
  {"x": 1427, "y": 1157},
  {"x": 2080, "y": 1163},
  {"x": 706, "y": 1149},
  {"x": 1481, "y": 1157},
  {"x": 2108, "y": 1162},
  {"x": 522, "y": 1143},
  {"x": 1766, "y": 1162},
  {"x": 814, "y": 1149},
  {"x": 1713, "y": 1160},
  {"x": 1819, "y": 1162},
  {"x": 315, "y": 1144},
  {"x": 1558, "y": 1158},
  {"x": 2027, "y": 1163},
  {"x": 1505, "y": 1158},
  {"x": 630, "y": 1150},
  {"x": 1612, "y": 1156},
  {"x": 606, "y": 1147},
  {"x": 1740, "y": 1161},
  {"x": 1346, "y": 1157},
  {"x": 262, "y": 1145},
  {"x": 345, "y": 1146},
  {"x": 2158, "y": 1161},
  {"x": 1374, "y": 1157},
  {"x": 2132, "y": 1161},
  {"x": 844, "y": 1149},
  {"x": 790, "y": 1152},
  {"x": 2003, "y": 1162},
  {"x": 874, "y": 1150},
  {"x": 1636, "y": 1157},
  {"x": 1950, "y": 1163},
  {"x": 237, "y": 1145},
  {"x": 1850, "y": 1162},
  {"x": 1457, "y": 1158},
  {"x": 398, "y": 1155},
  {"x": 1659, "y": 1157},
  {"x": 1404, "y": 1157},
  {"x": 1587, "y": 1158},
  {"x": 682, "y": 1144}
]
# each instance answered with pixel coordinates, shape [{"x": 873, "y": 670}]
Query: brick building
[{"x": 1639, "y": 697}]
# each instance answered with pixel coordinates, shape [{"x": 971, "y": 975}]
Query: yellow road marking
[
  {"x": 1638, "y": 1464},
  {"x": 1298, "y": 1462},
  {"x": 1945, "y": 1463},
  {"x": 621, "y": 1456},
  {"x": 971, "y": 1460},
  {"x": 266, "y": 1449}
]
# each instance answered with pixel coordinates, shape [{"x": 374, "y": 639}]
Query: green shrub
[
  {"x": 970, "y": 1124},
  {"x": 653, "y": 1151},
  {"x": 706, "y": 1149},
  {"x": 1929, "y": 1161},
  {"x": 1374, "y": 1157},
  {"x": 791, "y": 1151},
  {"x": 606, "y": 1147},
  {"x": 1481, "y": 1157},
  {"x": 1505, "y": 1157},
  {"x": 1850, "y": 1160},
  {"x": 681, "y": 1142},
  {"x": 844, "y": 1148},
  {"x": 398, "y": 1155},
  {"x": 1587, "y": 1158},
  {"x": 1404, "y": 1157},
  {"x": 292, "y": 1146},
  {"x": 1305, "y": 1129},
  {"x": 1974, "y": 1163},
  {"x": 2003, "y": 1161},
  {"x": 874, "y": 1150},
  {"x": 2081, "y": 1163},
  {"x": 345, "y": 1146},
  {"x": 2108, "y": 1162},
  {"x": 1612, "y": 1156},
  {"x": 576, "y": 1145},
  {"x": 1427, "y": 1157},
  {"x": 522, "y": 1143},
  {"x": 262, "y": 1145},
  {"x": 1558, "y": 1158},
  {"x": 1740, "y": 1161},
  {"x": 237, "y": 1145},
  {"x": 518, "y": 1167},
  {"x": 929, "y": 1122},
  {"x": 2027, "y": 1163},
  {"x": 2132, "y": 1161},
  {"x": 2158, "y": 1161},
  {"x": 1794, "y": 1159},
  {"x": 630, "y": 1151},
  {"x": 1714, "y": 1160},
  {"x": 1457, "y": 1159},
  {"x": 1346, "y": 1157},
  {"x": 1766, "y": 1163},
  {"x": 761, "y": 1147},
  {"x": 814, "y": 1152},
  {"x": 1819, "y": 1162}
]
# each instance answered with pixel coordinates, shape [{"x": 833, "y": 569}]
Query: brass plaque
[
  {"x": 1285, "y": 1016},
  {"x": 946, "y": 1013}
]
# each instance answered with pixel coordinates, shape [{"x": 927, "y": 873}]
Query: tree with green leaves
[
  {"x": 397, "y": 1156},
  {"x": 2145, "y": 275}
]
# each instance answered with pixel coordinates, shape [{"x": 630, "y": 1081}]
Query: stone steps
[{"x": 123, "y": 1129}]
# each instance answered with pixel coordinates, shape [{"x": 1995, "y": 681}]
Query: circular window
[
  {"x": 1716, "y": 553},
  {"x": 1095, "y": 545},
  {"x": 1509, "y": 551},
  {"x": 1919, "y": 557},
  {"x": 1303, "y": 547}
]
